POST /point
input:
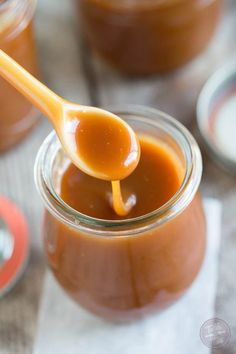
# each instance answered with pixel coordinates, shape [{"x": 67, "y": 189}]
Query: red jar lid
[{"x": 14, "y": 244}]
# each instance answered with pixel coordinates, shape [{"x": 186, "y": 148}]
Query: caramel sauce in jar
[
  {"x": 146, "y": 37},
  {"x": 123, "y": 268},
  {"x": 17, "y": 115}
]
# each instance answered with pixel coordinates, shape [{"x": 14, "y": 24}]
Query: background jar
[
  {"x": 148, "y": 36},
  {"x": 17, "y": 115},
  {"x": 124, "y": 269}
]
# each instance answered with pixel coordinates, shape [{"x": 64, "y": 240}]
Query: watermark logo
[{"x": 215, "y": 333}]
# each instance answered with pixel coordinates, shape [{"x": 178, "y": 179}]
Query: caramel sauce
[
  {"x": 155, "y": 180},
  {"x": 106, "y": 145},
  {"x": 125, "y": 277},
  {"x": 145, "y": 37},
  {"x": 17, "y": 114}
]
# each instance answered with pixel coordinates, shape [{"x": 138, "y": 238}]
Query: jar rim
[
  {"x": 15, "y": 16},
  {"x": 6, "y": 3},
  {"x": 184, "y": 195}
]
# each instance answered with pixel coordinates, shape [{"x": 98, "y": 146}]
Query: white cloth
[{"x": 66, "y": 328}]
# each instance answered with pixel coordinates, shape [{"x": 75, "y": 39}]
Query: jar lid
[
  {"x": 14, "y": 244},
  {"x": 216, "y": 116}
]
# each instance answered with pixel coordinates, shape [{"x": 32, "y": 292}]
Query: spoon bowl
[{"x": 99, "y": 142}]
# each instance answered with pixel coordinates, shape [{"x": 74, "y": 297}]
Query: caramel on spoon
[{"x": 98, "y": 142}]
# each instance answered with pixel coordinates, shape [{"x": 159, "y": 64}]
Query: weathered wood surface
[{"x": 68, "y": 67}]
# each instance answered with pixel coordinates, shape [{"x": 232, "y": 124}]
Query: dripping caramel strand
[{"x": 120, "y": 207}]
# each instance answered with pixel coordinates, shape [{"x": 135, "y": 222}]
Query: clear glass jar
[
  {"x": 17, "y": 115},
  {"x": 124, "y": 269},
  {"x": 148, "y": 36}
]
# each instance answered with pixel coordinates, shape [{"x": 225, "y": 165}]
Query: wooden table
[{"x": 69, "y": 68}]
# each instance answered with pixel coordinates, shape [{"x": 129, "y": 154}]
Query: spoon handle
[{"x": 38, "y": 94}]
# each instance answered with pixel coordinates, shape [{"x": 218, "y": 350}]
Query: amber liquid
[
  {"x": 155, "y": 180},
  {"x": 147, "y": 37},
  {"x": 104, "y": 143},
  {"x": 125, "y": 277},
  {"x": 17, "y": 115}
]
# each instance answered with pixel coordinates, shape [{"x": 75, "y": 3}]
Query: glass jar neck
[
  {"x": 51, "y": 151},
  {"x": 15, "y": 16}
]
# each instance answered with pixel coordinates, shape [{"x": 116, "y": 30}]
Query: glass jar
[
  {"x": 17, "y": 115},
  {"x": 148, "y": 36},
  {"x": 124, "y": 269}
]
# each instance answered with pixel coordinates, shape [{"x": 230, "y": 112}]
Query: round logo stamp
[{"x": 215, "y": 333}]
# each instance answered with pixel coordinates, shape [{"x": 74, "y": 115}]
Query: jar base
[
  {"x": 147, "y": 71},
  {"x": 131, "y": 315}
]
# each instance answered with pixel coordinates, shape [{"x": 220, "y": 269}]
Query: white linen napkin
[{"x": 64, "y": 327}]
